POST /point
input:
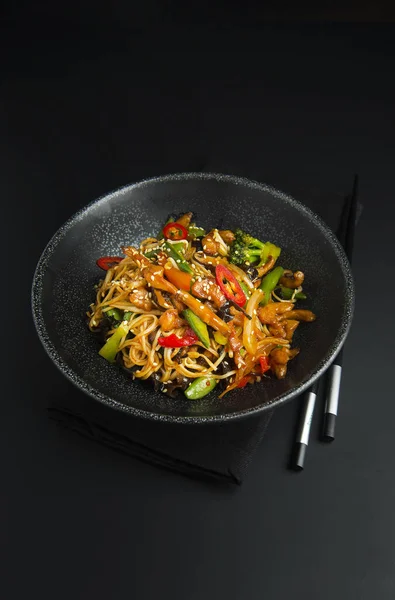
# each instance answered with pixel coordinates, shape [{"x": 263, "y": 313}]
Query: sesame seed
[
  {"x": 209, "y": 298},
  {"x": 152, "y": 277},
  {"x": 239, "y": 366},
  {"x": 178, "y": 260},
  {"x": 201, "y": 307}
]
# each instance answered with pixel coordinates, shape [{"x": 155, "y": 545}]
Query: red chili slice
[
  {"x": 175, "y": 231},
  {"x": 106, "y": 262},
  {"x": 229, "y": 285},
  {"x": 173, "y": 341},
  {"x": 265, "y": 366}
]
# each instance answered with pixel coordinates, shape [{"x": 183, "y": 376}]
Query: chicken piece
[
  {"x": 290, "y": 325},
  {"x": 278, "y": 330},
  {"x": 272, "y": 312},
  {"x": 279, "y": 371},
  {"x": 210, "y": 245},
  {"x": 298, "y": 315},
  {"x": 292, "y": 280},
  {"x": 141, "y": 299},
  {"x": 227, "y": 235},
  {"x": 209, "y": 290},
  {"x": 185, "y": 220},
  {"x": 279, "y": 358},
  {"x": 170, "y": 320}
]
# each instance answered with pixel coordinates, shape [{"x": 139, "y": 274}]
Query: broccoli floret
[{"x": 247, "y": 250}]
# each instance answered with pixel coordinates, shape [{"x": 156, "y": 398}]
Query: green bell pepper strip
[
  {"x": 245, "y": 289},
  {"x": 270, "y": 282},
  {"x": 115, "y": 313},
  {"x": 171, "y": 250},
  {"x": 200, "y": 388},
  {"x": 196, "y": 232},
  {"x": 197, "y": 325},
  {"x": 286, "y": 294},
  {"x": 110, "y": 348}
]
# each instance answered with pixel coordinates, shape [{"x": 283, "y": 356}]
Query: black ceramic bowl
[{"x": 66, "y": 273}]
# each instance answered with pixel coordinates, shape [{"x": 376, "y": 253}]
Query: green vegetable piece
[
  {"x": 198, "y": 326},
  {"x": 127, "y": 315},
  {"x": 269, "y": 250},
  {"x": 287, "y": 293},
  {"x": 247, "y": 250},
  {"x": 195, "y": 231},
  {"x": 115, "y": 313},
  {"x": 152, "y": 253},
  {"x": 270, "y": 282},
  {"x": 178, "y": 247},
  {"x": 171, "y": 250},
  {"x": 110, "y": 348},
  {"x": 220, "y": 339},
  {"x": 245, "y": 289},
  {"x": 200, "y": 388}
]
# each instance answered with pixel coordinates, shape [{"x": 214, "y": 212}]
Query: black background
[{"x": 94, "y": 99}]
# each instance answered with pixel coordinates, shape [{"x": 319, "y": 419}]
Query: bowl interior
[{"x": 67, "y": 272}]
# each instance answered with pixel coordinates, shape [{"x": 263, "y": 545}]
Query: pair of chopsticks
[{"x": 332, "y": 381}]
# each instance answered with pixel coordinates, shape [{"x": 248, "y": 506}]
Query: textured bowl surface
[{"x": 66, "y": 273}]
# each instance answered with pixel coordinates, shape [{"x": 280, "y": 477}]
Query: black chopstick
[
  {"x": 333, "y": 377},
  {"x": 345, "y": 235}
]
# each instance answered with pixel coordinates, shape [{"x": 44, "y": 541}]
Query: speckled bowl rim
[{"x": 42, "y": 265}]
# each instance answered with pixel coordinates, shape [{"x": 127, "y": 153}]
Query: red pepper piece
[
  {"x": 243, "y": 381},
  {"x": 106, "y": 262},
  {"x": 265, "y": 366},
  {"x": 229, "y": 285},
  {"x": 175, "y": 231},
  {"x": 173, "y": 341}
]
